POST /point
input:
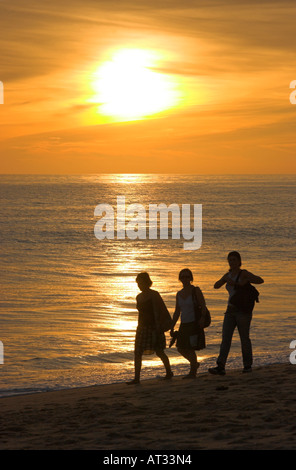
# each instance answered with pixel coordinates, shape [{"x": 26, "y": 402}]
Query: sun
[{"x": 129, "y": 87}]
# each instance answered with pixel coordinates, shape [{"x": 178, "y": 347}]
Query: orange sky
[{"x": 230, "y": 62}]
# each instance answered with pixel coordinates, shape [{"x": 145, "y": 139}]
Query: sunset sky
[{"x": 158, "y": 86}]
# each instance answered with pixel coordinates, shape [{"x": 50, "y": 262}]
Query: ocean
[{"x": 68, "y": 313}]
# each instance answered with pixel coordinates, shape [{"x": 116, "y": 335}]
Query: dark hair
[
  {"x": 187, "y": 271},
  {"x": 145, "y": 278},
  {"x": 237, "y": 255}
]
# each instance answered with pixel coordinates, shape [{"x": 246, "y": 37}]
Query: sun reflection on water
[{"x": 130, "y": 178}]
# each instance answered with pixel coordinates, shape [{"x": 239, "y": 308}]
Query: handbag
[
  {"x": 245, "y": 297},
  {"x": 162, "y": 316},
  {"x": 197, "y": 308}
]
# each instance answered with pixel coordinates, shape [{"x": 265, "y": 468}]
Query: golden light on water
[
  {"x": 125, "y": 325},
  {"x": 128, "y": 86},
  {"x": 128, "y": 178}
]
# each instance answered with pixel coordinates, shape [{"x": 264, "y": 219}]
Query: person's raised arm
[
  {"x": 221, "y": 282},
  {"x": 249, "y": 277}
]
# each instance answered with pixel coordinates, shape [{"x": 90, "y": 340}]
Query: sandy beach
[{"x": 236, "y": 411}]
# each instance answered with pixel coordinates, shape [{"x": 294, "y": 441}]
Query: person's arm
[
  {"x": 176, "y": 315},
  {"x": 246, "y": 277},
  {"x": 221, "y": 282}
]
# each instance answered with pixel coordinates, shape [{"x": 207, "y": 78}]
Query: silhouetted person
[
  {"x": 149, "y": 337},
  {"x": 191, "y": 335},
  {"x": 236, "y": 316}
]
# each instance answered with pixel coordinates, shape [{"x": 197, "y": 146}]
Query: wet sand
[{"x": 237, "y": 412}]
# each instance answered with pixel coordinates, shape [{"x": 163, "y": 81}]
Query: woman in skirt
[
  {"x": 149, "y": 337},
  {"x": 190, "y": 336}
]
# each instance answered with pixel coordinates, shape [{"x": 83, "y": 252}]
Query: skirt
[
  {"x": 190, "y": 337},
  {"x": 147, "y": 340}
]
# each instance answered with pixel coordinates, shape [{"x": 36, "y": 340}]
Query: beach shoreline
[{"x": 254, "y": 411}]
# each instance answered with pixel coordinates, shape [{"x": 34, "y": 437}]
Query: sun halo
[{"x": 128, "y": 87}]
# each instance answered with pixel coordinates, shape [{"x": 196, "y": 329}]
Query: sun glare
[{"x": 129, "y": 87}]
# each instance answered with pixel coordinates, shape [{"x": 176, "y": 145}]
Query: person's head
[
  {"x": 185, "y": 276},
  {"x": 234, "y": 259},
  {"x": 143, "y": 280}
]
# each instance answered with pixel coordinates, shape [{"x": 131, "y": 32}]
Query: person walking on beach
[
  {"x": 150, "y": 337},
  {"x": 190, "y": 304},
  {"x": 236, "y": 316}
]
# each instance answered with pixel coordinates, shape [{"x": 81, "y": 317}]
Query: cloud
[{"x": 40, "y": 37}]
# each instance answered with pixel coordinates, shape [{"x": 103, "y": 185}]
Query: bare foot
[
  {"x": 189, "y": 376},
  {"x": 168, "y": 376},
  {"x": 133, "y": 382}
]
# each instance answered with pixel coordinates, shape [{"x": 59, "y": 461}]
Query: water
[{"x": 68, "y": 314}]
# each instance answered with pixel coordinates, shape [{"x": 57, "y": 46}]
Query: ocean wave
[{"x": 72, "y": 361}]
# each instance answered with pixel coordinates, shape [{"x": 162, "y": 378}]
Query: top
[
  {"x": 146, "y": 313},
  {"x": 230, "y": 288},
  {"x": 187, "y": 309}
]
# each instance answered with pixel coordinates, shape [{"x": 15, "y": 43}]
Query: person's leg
[
  {"x": 229, "y": 325},
  {"x": 165, "y": 360},
  {"x": 137, "y": 365},
  {"x": 243, "y": 326},
  {"x": 190, "y": 355}
]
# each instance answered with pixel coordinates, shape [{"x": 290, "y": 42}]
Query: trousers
[{"x": 242, "y": 321}]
